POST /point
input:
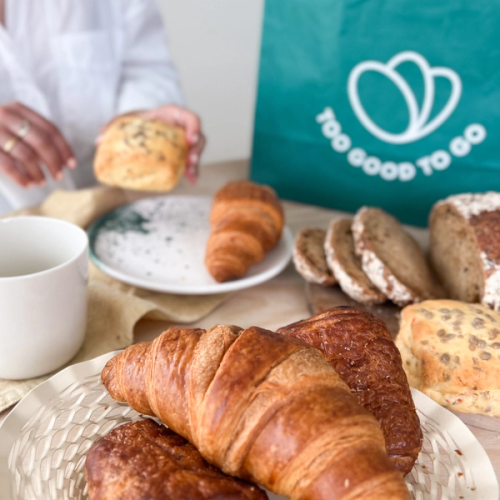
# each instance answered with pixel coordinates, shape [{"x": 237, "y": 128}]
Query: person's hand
[
  {"x": 180, "y": 117},
  {"x": 28, "y": 140}
]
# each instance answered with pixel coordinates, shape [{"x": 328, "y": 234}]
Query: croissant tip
[
  {"x": 107, "y": 373},
  {"x": 223, "y": 274}
]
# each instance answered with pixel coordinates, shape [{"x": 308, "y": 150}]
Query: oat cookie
[{"x": 309, "y": 257}]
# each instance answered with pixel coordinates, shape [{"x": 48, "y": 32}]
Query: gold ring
[
  {"x": 24, "y": 128},
  {"x": 9, "y": 145}
]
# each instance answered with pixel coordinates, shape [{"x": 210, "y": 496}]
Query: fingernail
[
  {"x": 59, "y": 176},
  {"x": 193, "y": 158},
  {"x": 98, "y": 140},
  {"x": 72, "y": 163},
  {"x": 195, "y": 138}
]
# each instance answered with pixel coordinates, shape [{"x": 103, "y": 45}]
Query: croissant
[
  {"x": 144, "y": 460},
  {"x": 361, "y": 350},
  {"x": 246, "y": 223},
  {"x": 262, "y": 407}
]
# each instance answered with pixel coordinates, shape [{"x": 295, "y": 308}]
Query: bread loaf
[
  {"x": 346, "y": 265},
  {"x": 148, "y": 155},
  {"x": 451, "y": 352},
  {"x": 144, "y": 460},
  {"x": 360, "y": 349},
  {"x": 260, "y": 406},
  {"x": 392, "y": 259},
  {"x": 246, "y": 223},
  {"x": 465, "y": 247},
  {"x": 309, "y": 257}
]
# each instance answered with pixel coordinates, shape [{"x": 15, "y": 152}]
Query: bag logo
[{"x": 418, "y": 126}]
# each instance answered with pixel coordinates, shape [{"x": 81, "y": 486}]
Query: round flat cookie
[
  {"x": 309, "y": 257},
  {"x": 346, "y": 265}
]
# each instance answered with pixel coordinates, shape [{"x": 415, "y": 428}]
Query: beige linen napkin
[{"x": 114, "y": 308}]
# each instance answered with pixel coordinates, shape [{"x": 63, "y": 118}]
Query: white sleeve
[{"x": 148, "y": 77}]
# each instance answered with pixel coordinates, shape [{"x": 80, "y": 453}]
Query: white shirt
[{"x": 79, "y": 63}]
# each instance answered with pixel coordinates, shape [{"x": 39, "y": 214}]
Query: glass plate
[{"x": 44, "y": 441}]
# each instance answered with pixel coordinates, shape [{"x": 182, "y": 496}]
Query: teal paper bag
[{"x": 389, "y": 103}]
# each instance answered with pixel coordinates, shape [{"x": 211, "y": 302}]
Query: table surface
[{"x": 282, "y": 300}]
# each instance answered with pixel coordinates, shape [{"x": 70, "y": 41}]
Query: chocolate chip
[
  {"x": 457, "y": 360},
  {"x": 478, "y": 311},
  {"x": 473, "y": 339},
  {"x": 441, "y": 333},
  {"x": 475, "y": 360},
  {"x": 472, "y": 347},
  {"x": 444, "y": 311},
  {"x": 493, "y": 333},
  {"x": 449, "y": 336},
  {"x": 478, "y": 323},
  {"x": 491, "y": 318},
  {"x": 447, "y": 378},
  {"x": 445, "y": 358},
  {"x": 425, "y": 313},
  {"x": 446, "y": 317},
  {"x": 495, "y": 345},
  {"x": 485, "y": 355}
]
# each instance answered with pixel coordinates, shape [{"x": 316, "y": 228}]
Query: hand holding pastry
[{"x": 177, "y": 117}]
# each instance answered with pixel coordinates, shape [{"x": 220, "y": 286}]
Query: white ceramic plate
[
  {"x": 44, "y": 441},
  {"x": 159, "y": 244}
]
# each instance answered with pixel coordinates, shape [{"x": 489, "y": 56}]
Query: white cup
[{"x": 43, "y": 295}]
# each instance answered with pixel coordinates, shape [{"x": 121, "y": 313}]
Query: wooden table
[{"x": 282, "y": 300}]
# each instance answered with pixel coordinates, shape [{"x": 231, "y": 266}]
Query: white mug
[{"x": 43, "y": 295}]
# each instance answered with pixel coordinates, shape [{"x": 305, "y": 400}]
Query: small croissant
[{"x": 246, "y": 221}]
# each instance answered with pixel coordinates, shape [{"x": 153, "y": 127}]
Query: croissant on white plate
[{"x": 246, "y": 223}]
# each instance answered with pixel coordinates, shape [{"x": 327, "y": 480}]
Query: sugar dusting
[{"x": 470, "y": 204}]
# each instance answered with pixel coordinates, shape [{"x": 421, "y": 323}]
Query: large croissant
[
  {"x": 360, "y": 349},
  {"x": 246, "y": 221},
  {"x": 260, "y": 406}
]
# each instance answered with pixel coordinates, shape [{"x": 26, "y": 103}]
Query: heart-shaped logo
[{"x": 418, "y": 126}]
